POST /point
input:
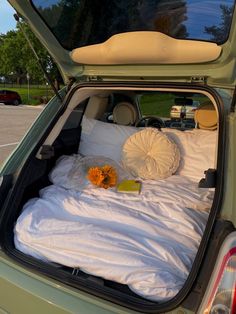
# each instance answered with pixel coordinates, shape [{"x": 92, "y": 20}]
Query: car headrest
[
  {"x": 206, "y": 117},
  {"x": 96, "y": 107},
  {"x": 124, "y": 113}
]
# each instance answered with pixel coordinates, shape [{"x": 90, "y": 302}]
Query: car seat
[
  {"x": 96, "y": 107},
  {"x": 124, "y": 113},
  {"x": 205, "y": 117}
]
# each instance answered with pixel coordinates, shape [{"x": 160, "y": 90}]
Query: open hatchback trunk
[
  {"x": 67, "y": 217},
  {"x": 135, "y": 249}
]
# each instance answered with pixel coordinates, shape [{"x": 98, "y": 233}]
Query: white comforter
[{"x": 147, "y": 241}]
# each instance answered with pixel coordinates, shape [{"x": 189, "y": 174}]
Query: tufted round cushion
[{"x": 150, "y": 154}]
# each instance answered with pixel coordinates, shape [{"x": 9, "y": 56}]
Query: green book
[{"x": 129, "y": 186}]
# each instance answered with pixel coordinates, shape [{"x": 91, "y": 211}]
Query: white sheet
[{"x": 147, "y": 241}]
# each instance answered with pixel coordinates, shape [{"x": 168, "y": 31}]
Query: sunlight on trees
[{"x": 17, "y": 59}]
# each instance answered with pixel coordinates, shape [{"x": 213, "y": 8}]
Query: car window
[
  {"x": 177, "y": 110},
  {"x": 82, "y": 23},
  {"x": 157, "y": 104}
]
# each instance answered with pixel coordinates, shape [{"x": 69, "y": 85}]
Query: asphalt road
[{"x": 14, "y": 122}]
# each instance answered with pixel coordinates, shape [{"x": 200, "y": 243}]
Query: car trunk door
[{"x": 173, "y": 41}]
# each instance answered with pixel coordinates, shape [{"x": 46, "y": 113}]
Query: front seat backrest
[
  {"x": 96, "y": 107},
  {"x": 206, "y": 117},
  {"x": 124, "y": 113}
]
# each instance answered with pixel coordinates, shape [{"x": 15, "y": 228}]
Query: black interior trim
[{"x": 5, "y": 186}]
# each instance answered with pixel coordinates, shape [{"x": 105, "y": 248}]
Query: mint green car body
[{"x": 25, "y": 291}]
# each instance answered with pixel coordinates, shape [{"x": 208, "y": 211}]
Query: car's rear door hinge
[
  {"x": 198, "y": 80},
  {"x": 71, "y": 81},
  {"x": 95, "y": 78}
]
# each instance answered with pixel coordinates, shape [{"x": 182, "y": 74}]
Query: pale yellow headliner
[{"x": 146, "y": 48}]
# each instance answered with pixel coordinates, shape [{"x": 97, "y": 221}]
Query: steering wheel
[{"x": 151, "y": 121}]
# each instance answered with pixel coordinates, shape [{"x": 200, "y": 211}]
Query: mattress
[{"x": 146, "y": 241}]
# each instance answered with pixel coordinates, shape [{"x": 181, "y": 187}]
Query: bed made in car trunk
[{"x": 133, "y": 247}]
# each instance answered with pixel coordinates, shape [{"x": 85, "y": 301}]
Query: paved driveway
[{"x": 14, "y": 122}]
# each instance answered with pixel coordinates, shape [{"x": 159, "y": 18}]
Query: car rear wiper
[{"x": 47, "y": 77}]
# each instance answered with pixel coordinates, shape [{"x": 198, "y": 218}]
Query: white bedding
[
  {"x": 197, "y": 147},
  {"x": 147, "y": 241}
]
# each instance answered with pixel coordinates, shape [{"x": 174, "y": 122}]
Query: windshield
[{"x": 77, "y": 23}]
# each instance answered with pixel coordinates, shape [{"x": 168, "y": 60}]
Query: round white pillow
[{"x": 150, "y": 154}]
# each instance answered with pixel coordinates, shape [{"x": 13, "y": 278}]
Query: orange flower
[
  {"x": 110, "y": 177},
  {"x": 95, "y": 175},
  {"x": 104, "y": 177}
]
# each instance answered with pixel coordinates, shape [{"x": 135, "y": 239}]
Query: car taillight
[
  {"x": 174, "y": 109},
  {"x": 222, "y": 299}
]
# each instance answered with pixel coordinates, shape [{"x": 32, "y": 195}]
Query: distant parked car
[
  {"x": 9, "y": 97},
  {"x": 184, "y": 108}
]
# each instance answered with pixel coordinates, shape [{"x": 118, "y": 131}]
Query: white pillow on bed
[
  {"x": 150, "y": 154},
  {"x": 197, "y": 151},
  {"x": 197, "y": 147},
  {"x": 103, "y": 139}
]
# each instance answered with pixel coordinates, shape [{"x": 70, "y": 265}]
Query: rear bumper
[{"x": 23, "y": 292}]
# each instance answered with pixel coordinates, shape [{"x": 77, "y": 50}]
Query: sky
[{"x": 7, "y": 21}]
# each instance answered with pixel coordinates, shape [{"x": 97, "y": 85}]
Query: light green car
[{"x": 169, "y": 249}]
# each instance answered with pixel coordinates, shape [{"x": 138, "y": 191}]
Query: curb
[{"x": 35, "y": 107}]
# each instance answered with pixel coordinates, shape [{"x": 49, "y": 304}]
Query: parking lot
[{"x": 14, "y": 122}]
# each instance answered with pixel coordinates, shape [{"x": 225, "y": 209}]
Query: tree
[
  {"x": 219, "y": 33},
  {"x": 17, "y": 59},
  {"x": 85, "y": 22},
  {"x": 166, "y": 16},
  {"x": 10, "y": 51}
]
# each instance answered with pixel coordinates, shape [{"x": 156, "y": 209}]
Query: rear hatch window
[{"x": 81, "y": 23}]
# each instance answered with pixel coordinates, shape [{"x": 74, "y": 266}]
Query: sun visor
[{"x": 146, "y": 48}]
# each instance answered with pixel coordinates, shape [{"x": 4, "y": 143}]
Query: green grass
[
  {"x": 157, "y": 104},
  {"x": 35, "y": 94}
]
